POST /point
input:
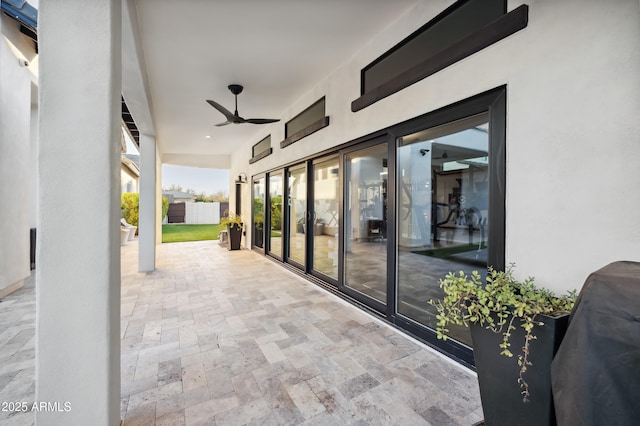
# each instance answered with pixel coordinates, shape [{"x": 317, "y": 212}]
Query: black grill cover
[{"x": 596, "y": 373}]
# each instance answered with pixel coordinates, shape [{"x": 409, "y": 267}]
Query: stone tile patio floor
[{"x": 218, "y": 337}]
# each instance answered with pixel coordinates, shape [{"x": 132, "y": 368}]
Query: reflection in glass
[
  {"x": 366, "y": 222},
  {"x": 258, "y": 212},
  {"x": 275, "y": 214},
  {"x": 443, "y": 206},
  {"x": 325, "y": 217},
  {"x": 297, "y": 181}
]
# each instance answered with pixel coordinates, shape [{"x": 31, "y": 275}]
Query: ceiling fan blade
[
  {"x": 261, "y": 120},
  {"x": 235, "y": 118},
  {"x": 222, "y": 109}
]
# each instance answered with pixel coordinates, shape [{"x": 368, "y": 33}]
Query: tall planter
[
  {"x": 500, "y": 392},
  {"x": 258, "y": 235},
  {"x": 235, "y": 236}
]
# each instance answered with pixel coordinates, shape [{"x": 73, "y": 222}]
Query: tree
[
  {"x": 203, "y": 198},
  {"x": 173, "y": 187},
  {"x": 219, "y": 196}
]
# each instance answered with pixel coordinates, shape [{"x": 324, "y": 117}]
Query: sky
[{"x": 201, "y": 180}]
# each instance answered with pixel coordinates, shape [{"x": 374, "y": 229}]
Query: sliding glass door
[
  {"x": 443, "y": 212},
  {"x": 257, "y": 229},
  {"x": 297, "y": 215},
  {"x": 274, "y": 230},
  {"x": 325, "y": 217},
  {"x": 365, "y": 221}
]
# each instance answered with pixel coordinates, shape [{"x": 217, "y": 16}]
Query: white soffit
[{"x": 277, "y": 49}]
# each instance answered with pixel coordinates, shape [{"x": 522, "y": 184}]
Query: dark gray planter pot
[
  {"x": 258, "y": 236},
  {"x": 235, "y": 236},
  {"x": 502, "y": 400}
]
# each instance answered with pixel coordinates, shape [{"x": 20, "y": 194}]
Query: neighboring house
[
  {"x": 130, "y": 173},
  {"x": 179, "y": 197}
]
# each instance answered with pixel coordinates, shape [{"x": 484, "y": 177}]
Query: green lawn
[{"x": 176, "y": 233}]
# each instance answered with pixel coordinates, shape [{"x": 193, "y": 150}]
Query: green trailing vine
[{"x": 500, "y": 304}]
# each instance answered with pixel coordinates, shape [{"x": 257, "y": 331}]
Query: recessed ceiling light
[{"x": 207, "y": 137}]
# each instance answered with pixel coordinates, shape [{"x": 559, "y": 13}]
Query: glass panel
[
  {"x": 275, "y": 203},
  {"x": 366, "y": 222},
  {"x": 297, "y": 181},
  {"x": 443, "y": 206},
  {"x": 258, "y": 212},
  {"x": 261, "y": 146},
  {"x": 307, "y": 117},
  {"x": 325, "y": 217}
]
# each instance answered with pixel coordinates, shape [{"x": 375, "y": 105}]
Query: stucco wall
[
  {"x": 573, "y": 134},
  {"x": 128, "y": 180},
  {"x": 15, "y": 117}
]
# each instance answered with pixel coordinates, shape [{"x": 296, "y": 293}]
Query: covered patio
[
  {"x": 197, "y": 348},
  {"x": 549, "y": 89}
]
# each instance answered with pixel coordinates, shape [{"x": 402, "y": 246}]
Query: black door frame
[
  {"x": 492, "y": 102},
  {"x": 286, "y": 219},
  {"x": 374, "y": 304},
  {"x": 311, "y": 217},
  {"x": 267, "y": 214}
]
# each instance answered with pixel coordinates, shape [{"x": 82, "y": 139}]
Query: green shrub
[
  {"x": 165, "y": 207},
  {"x": 258, "y": 212},
  {"x": 129, "y": 203},
  {"x": 276, "y": 213}
]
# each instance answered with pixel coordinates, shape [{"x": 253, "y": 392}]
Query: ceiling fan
[{"x": 234, "y": 118}]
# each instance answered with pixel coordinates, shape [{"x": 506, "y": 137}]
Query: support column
[
  {"x": 78, "y": 270},
  {"x": 148, "y": 206}
]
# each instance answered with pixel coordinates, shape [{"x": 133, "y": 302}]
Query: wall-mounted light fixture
[{"x": 242, "y": 178}]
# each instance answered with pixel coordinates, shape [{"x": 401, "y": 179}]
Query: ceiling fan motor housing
[{"x": 236, "y": 89}]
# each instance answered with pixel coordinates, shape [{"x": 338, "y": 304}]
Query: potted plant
[
  {"x": 258, "y": 229},
  {"x": 258, "y": 222},
  {"x": 233, "y": 222},
  {"x": 505, "y": 314}
]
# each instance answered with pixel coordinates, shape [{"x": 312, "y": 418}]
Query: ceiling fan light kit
[{"x": 235, "y": 118}]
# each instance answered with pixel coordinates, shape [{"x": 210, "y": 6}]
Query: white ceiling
[{"x": 190, "y": 51}]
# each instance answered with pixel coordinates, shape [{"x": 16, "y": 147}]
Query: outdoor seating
[
  {"x": 124, "y": 235},
  {"x": 223, "y": 236},
  {"x": 131, "y": 228}
]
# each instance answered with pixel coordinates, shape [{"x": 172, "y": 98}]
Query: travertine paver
[
  {"x": 227, "y": 338},
  {"x": 257, "y": 344},
  {"x": 17, "y": 352}
]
